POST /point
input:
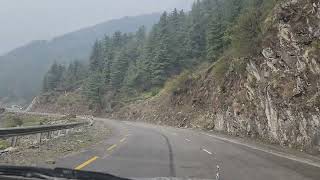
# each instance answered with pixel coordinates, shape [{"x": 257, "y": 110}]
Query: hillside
[
  {"x": 22, "y": 70},
  {"x": 247, "y": 68},
  {"x": 272, "y": 96}
]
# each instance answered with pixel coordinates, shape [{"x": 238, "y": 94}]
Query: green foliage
[
  {"x": 4, "y": 144},
  {"x": 12, "y": 120},
  {"x": 245, "y": 37},
  {"x": 246, "y": 34},
  {"x": 63, "y": 78},
  {"x": 53, "y": 77},
  {"x": 138, "y": 64},
  {"x": 176, "y": 82},
  {"x": 96, "y": 58},
  {"x": 33, "y": 120},
  {"x": 315, "y": 44},
  {"x": 160, "y": 64},
  {"x": 15, "y": 120},
  {"x": 215, "y": 34},
  {"x": 69, "y": 100},
  {"x": 22, "y": 71},
  {"x": 220, "y": 69},
  {"x": 93, "y": 89}
]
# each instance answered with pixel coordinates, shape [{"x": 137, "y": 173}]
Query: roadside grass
[
  {"x": 15, "y": 120},
  {"x": 69, "y": 99},
  {"x": 4, "y": 144},
  {"x": 174, "y": 83}
]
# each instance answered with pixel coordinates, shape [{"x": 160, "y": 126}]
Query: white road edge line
[
  {"x": 207, "y": 151},
  {"x": 279, "y": 154}
]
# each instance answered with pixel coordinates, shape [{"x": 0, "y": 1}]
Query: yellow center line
[
  {"x": 86, "y": 163},
  {"x": 112, "y": 147},
  {"x": 123, "y": 139}
]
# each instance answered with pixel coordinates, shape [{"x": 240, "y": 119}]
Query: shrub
[
  {"x": 220, "y": 69},
  {"x": 3, "y": 144},
  {"x": 12, "y": 120},
  {"x": 176, "y": 82}
]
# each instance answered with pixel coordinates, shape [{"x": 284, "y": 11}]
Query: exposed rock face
[{"x": 274, "y": 96}]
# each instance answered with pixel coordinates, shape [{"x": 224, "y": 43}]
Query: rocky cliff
[{"x": 274, "y": 96}]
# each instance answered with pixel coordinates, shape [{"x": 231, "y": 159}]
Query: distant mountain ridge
[{"x": 22, "y": 69}]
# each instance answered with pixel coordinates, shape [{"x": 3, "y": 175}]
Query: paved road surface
[{"x": 138, "y": 150}]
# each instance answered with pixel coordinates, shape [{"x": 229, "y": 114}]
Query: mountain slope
[
  {"x": 264, "y": 85},
  {"x": 22, "y": 70},
  {"x": 273, "y": 95}
]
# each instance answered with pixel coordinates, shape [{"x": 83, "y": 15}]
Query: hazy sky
[{"x": 24, "y": 20}]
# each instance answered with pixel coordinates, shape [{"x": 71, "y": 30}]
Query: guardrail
[
  {"x": 14, "y": 133},
  {"x": 22, "y": 131}
]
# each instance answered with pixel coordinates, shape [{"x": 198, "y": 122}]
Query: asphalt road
[{"x": 138, "y": 150}]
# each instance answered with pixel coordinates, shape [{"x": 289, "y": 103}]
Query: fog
[{"x": 25, "y": 20}]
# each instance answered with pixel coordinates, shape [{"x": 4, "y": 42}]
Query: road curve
[{"x": 138, "y": 150}]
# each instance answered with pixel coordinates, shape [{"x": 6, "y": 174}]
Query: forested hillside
[
  {"x": 22, "y": 70},
  {"x": 126, "y": 66},
  {"x": 244, "y": 67}
]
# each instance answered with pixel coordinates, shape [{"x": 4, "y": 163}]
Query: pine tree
[
  {"x": 160, "y": 65},
  {"x": 245, "y": 35},
  {"x": 141, "y": 35},
  {"x": 75, "y": 72},
  {"x": 117, "y": 39},
  {"x": 177, "y": 36},
  {"x": 215, "y": 33},
  {"x": 45, "y": 87},
  {"x": 94, "y": 89},
  {"x": 108, "y": 54},
  {"x": 118, "y": 69},
  {"x": 96, "y": 58},
  {"x": 196, "y": 42},
  {"x": 53, "y": 78},
  {"x": 130, "y": 62}
]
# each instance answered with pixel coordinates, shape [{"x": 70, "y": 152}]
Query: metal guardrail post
[
  {"x": 49, "y": 135},
  {"x": 39, "y": 137},
  {"x": 14, "y": 141}
]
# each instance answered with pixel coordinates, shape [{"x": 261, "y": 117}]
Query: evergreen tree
[
  {"x": 75, "y": 72},
  {"x": 141, "y": 35},
  {"x": 160, "y": 65},
  {"x": 94, "y": 89},
  {"x": 45, "y": 87},
  {"x": 53, "y": 79},
  {"x": 118, "y": 69},
  {"x": 196, "y": 32},
  {"x": 246, "y": 33},
  {"x": 108, "y": 54},
  {"x": 96, "y": 58},
  {"x": 137, "y": 62},
  {"x": 117, "y": 39},
  {"x": 215, "y": 33}
]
